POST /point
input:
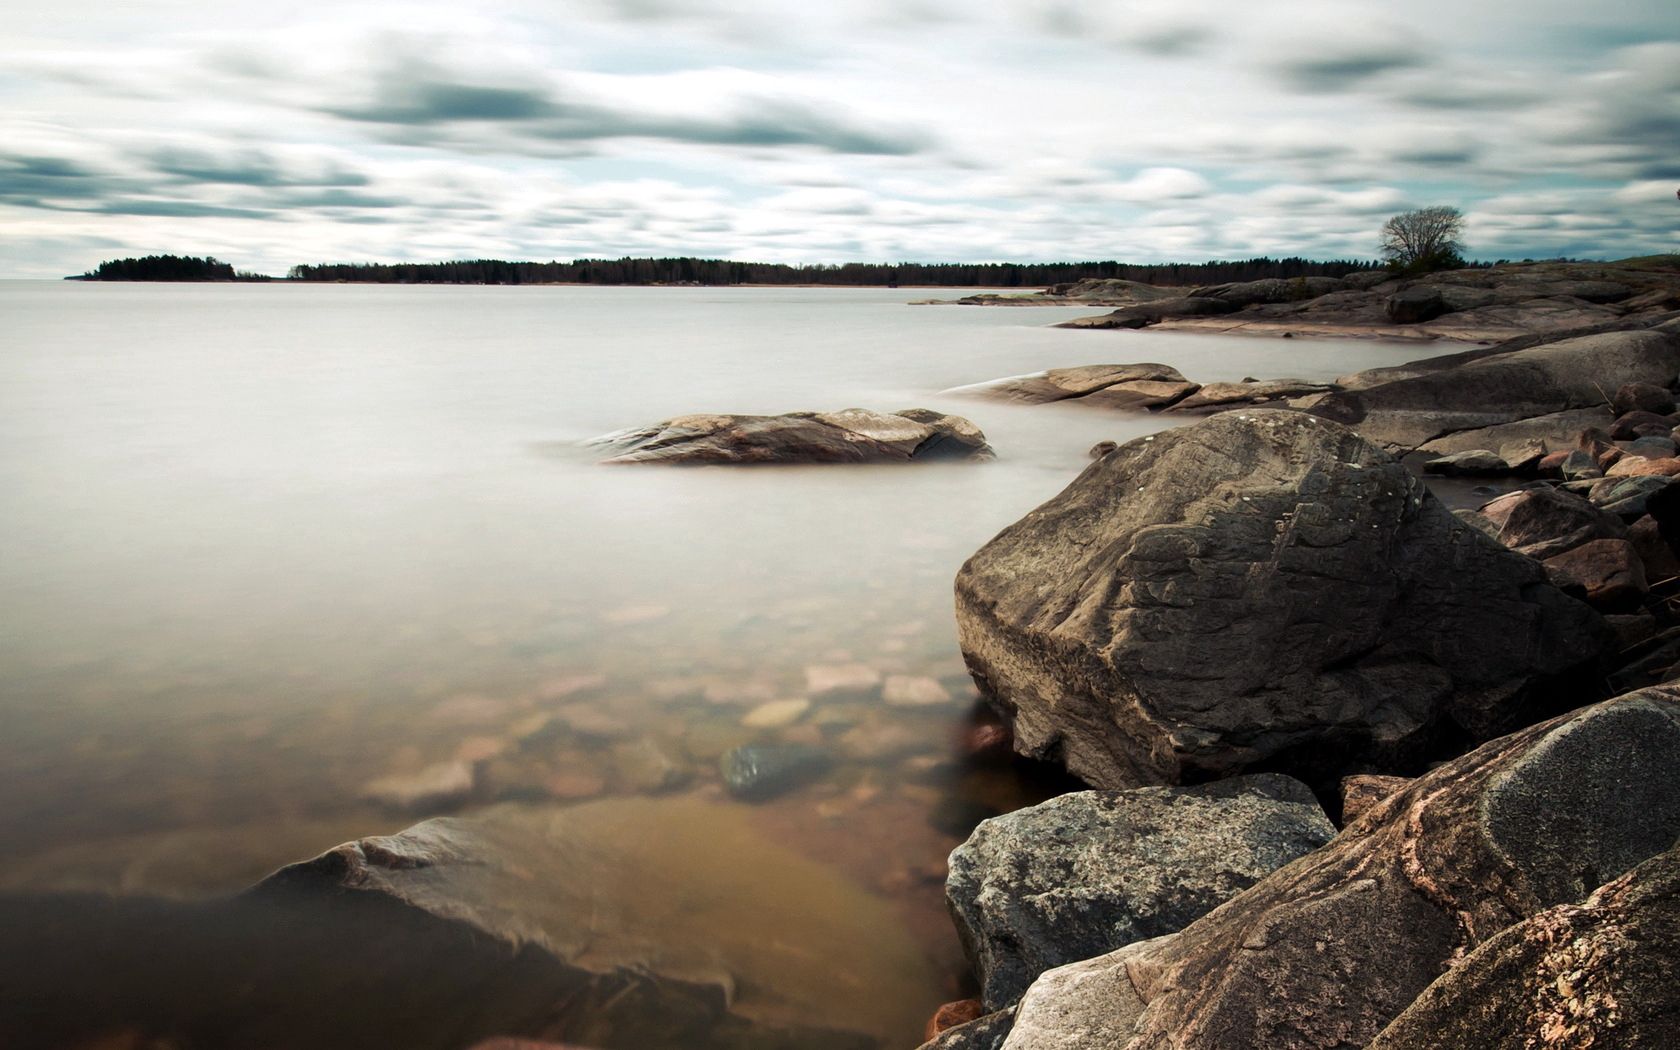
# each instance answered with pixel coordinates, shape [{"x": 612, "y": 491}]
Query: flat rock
[
  {"x": 853, "y": 435},
  {"x": 1477, "y": 462},
  {"x": 903, "y": 690},
  {"x": 1061, "y": 384},
  {"x": 1218, "y": 397},
  {"x": 1542, "y": 521},
  {"x": 1555, "y": 430},
  {"x": 1329, "y": 950},
  {"x": 776, "y": 714},
  {"x": 1608, "y": 573},
  {"x": 1257, "y": 587},
  {"x": 1628, "y": 497},
  {"x": 1088, "y": 872}
]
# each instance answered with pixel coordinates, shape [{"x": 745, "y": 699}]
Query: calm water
[{"x": 270, "y": 550}]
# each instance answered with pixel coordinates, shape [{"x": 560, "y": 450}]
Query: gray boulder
[
  {"x": 1475, "y": 462},
  {"x": 1261, "y": 586},
  {"x": 853, "y": 435},
  {"x": 1270, "y": 290},
  {"x": 1092, "y": 871},
  {"x": 1504, "y": 387},
  {"x": 1415, "y": 305},
  {"x": 1330, "y": 950}
]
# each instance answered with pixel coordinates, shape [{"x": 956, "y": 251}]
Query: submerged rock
[
  {"x": 1330, "y": 950},
  {"x": 1092, "y": 871},
  {"x": 853, "y": 435},
  {"x": 760, "y": 771},
  {"x": 1258, "y": 587}
]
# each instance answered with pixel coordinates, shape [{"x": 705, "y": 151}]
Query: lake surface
[{"x": 273, "y": 552}]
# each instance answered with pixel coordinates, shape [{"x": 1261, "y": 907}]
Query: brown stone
[
  {"x": 952, "y": 1014},
  {"x": 1362, "y": 791},
  {"x": 1642, "y": 397},
  {"x": 1640, "y": 424},
  {"x": 1608, "y": 572},
  {"x": 1661, "y": 562},
  {"x": 1639, "y": 466}
]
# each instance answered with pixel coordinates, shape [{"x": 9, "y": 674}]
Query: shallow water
[{"x": 268, "y": 545}]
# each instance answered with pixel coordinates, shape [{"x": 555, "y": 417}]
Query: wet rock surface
[
  {"x": 1092, "y": 871},
  {"x": 853, "y": 435},
  {"x": 1261, "y": 586},
  {"x": 1332, "y": 949}
]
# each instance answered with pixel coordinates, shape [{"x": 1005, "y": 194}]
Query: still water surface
[{"x": 271, "y": 553}]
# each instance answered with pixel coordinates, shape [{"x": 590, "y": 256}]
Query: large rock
[
  {"x": 1504, "y": 387},
  {"x": 853, "y": 435},
  {"x": 1258, "y": 587},
  {"x": 1092, "y": 871},
  {"x": 1329, "y": 950},
  {"x": 1218, "y": 397},
  {"x": 1133, "y": 386},
  {"x": 1542, "y": 521},
  {"x": 1270, "y": 290},
  {"x": 1604, "y": 974},
  {"x": 1415, "y": 305}
]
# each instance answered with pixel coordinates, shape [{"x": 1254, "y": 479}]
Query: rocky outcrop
[
  {"x": 1133, "y": 386},
  {"x": 1335, "y": 947},
  {"x": 1504, "y": 388},
  {"x": 853, "y": 435},
  {"x": 1604, "y": 973},
  {"x": 1543, "y": 521},
  {"x": 1218, "y": 397},
  {"x": 1092, "y": 871},
  {"x": 1259, "y": 587}
]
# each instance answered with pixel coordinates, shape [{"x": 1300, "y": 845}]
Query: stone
[
  {"x": 1144, "y": 385},
  {"x": 1523, "y": 457},
  {"x": 1655, "y": 552},
  {"x": 1637, "y": 424},
  {"x": 1551, "y": 430},
  {"x": 1362, "y": 792},
  {"x": 646, "y": 766},
  {"x": 982, "y": 1033},
  {"x": 903, "y": 690},
  {"x": 853, "y": 435},
  {"x": 1542, "y": 521},
  {"x": 1258, "y": 587},
  {"x": 1103, "y": 448},
  {"x": 831, "y": 680},
  {"x": 1415, "y": 305},
  {"x": 882, "y": 740},
  {"x": 1218, "y": 397},
  {"x": 776, "y": 714},
  {"x": 952, "y": 1014},
  {"x": 1634, "y": 466},
  {"x": 1580, "y": 465},
  {"x": 1628, "y": 497},
  {"x": 1088, "y": 872},
  {"x": 1598, "y": 974},
  {"x": 1608, "y": 572},
  {"x": 1642, "y": 397},
  {"x": 757, "y": 772},
  {"x": 1472, "y": 463},
  {"x": 438, "y": 786},
  {"x": 1661, "y": 447},
  {"x": 636, "y": 923},
  {"x": 1331, "y": 949},
  {"x": 1503, "y": 387}
]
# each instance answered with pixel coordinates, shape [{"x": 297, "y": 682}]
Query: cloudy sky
[{"x": 274, "y": 133}]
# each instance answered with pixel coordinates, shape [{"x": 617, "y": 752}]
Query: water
[{"x": 267, "y": 545}]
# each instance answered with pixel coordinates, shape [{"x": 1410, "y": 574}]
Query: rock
[
  {"x": 1598, "y": 974},
  {"x": 1218, "y": 397},
  {"x": 1103, "y": 448},
  {"x": 1115, "y": 386},
  {"x": 1608, "y": 572},
  {"x": 1473, "y": 463},
  {"x": 1503, "y": 387},
  {"x": 1144, "y": 314},
  {"x": 1551, "y": 465},
  {"x": 1256, "y": 587},
  {"x": 952, "y": 1014},
  {"x": 1551, "y": 430},
  {"x": 438, "y": 786},
  {"x": 1642, "y": 397},
  {"x": 1332, "y": 948},
  {"x": 776, "y": 714},
  {"x": 879, "y": 740},
  {"x": 646, "y": 919},
  {"x": 1632, "y": 466},
  {"x": 902, "y": 690},
  {"x": 1360, "y": 793},
  {"x": 1655, "y": 552},
  {"x": 1270, "y": 290},
  {"x": 1579, "y": 466},
  {"x": 853, "y": 435},
  {"x": 760, "y": 771},
  {"x": 1632, "y": 425},
  {"x": 1661, "y": 447},
  {"x": 1092, "y": 871},
  {"x": 647, "y": 767},
  {"x": 832, "y": 680},
  {"x": 1632, "y": 629},
  {"x": 983, "y": 1033},
  {"x": 1628, "y": 497},
  {"x": 1415, "y": 305},
  {"x": 1523, "y": 457},
  {"x": 1543, "y": 521}
]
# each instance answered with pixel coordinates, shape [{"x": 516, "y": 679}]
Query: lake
[{"x": 287, "y": 565}]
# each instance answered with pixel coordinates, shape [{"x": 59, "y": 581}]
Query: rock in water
[
  {"x": 1092, "y": 871},
  {"x": 1257, "y": 587},
  {"x": 853, "y": 435},
  {"x": 761, "y": 771},
  {"x": 1331, "y": 949}
]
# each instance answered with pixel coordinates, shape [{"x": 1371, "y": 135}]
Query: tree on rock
[{"x": 1424, "y": 240}]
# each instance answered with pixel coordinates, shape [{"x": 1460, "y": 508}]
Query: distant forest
[
  {"x": 167, "y": 268},
  {"x": 724, "y": 272}
]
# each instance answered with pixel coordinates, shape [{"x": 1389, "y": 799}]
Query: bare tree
[{"x": 1425, "y": 239}]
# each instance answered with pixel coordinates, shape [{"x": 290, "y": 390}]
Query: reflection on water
[{"x": 292, "y": 565}]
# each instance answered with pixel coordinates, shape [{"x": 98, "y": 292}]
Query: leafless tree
[{"x": 1424, "y": 239}]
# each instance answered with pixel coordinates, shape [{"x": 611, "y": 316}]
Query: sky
[{"x": 268, "y": 134}]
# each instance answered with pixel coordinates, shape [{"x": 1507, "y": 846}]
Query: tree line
[
  {"x": 684, "y": 270},
  {"x": 167, "y": 268}
]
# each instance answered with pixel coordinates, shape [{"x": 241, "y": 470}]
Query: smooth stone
[
  {"x": 902, "y": 690},
  {"x": 1470, "y": 463},
  {"x": 757, "y": 772},
  {"x": 776, "y": 714},
  {"x": 841, "y": 679},
  {"x": 1607, "y": 572}
]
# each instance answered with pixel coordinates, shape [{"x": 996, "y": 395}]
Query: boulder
[
  {"x": 1134, "y": 386},
  {"x": 1543, "y": 521},
  {"x": 1415, "y": 305},
  {"x": 1476, "y": 462},
  {"x": 982, "y": 1033},
  {"x": 1553, "y": 430},
  {"x": 1088, "y": 872},
  {"x": 1260, "y": 586},
  {"x": 1270, "y": 290},
  {"x": 1144, "y": 314},
  {"x": 1637, "y": 424},
  {"x": 1504, "y": 387},
  {"x": 1217, "y": 397},
  {"x": 1634, "y": 466},
  {"x": 853, "y": 435},
  {"x": 1642, "y": 397},
  {"x": 1604, "y": 973},
  {"x": 1362, "y": 792},
  {"x": 1607, "y": 573},
  {"x": 1523, "y": 457},
  {"x": 760, "y": 771},
  {"x": 1655, "y": 551},
  {"x": 1329, "y": 950},
  {"x": 1628, "y": 497}
]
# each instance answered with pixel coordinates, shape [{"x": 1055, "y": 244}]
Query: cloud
[{"x": 1345, "y": 70}]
